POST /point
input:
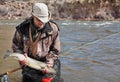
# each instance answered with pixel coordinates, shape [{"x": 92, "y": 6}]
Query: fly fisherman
[{"x": 38, "y": 38}]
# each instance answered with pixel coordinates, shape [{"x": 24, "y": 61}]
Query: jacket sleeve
[
  {"x": 17, "y": 43},
  {"x": 55, "y": 46}
]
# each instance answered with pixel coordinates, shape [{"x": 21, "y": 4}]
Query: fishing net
[{"x": 32, "y": 75}]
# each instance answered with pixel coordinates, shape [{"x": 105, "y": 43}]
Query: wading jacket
[{"x": 39, "y": 44}]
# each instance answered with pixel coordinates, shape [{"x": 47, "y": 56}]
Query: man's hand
[
  {"x": 45, "y": 71},
  {"x": 24, "y": 62},
  {"x": 49, "y": 63}
]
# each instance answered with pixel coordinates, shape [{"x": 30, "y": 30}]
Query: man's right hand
[{"x": 24, "y": 62}]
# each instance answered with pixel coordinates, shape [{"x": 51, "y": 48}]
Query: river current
[{"x": 90, "y": 50}]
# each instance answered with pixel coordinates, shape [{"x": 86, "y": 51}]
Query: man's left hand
[{"x": 49, "y": 63}]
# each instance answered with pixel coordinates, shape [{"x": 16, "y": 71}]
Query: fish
[{"x": 35, "y": 64}]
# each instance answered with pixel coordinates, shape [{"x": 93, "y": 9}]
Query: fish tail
[{"x": 7, "y": 54}]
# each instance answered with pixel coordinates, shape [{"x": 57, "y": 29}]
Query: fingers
[
  {"x": 50, "y": 62},
  {"x": 25, "y": 54},
  {"x": 24, "y": 61},
  {"x": 45, "y": 71}
]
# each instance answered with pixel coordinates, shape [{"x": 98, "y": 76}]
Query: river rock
[{"x": 3, "y": 10}]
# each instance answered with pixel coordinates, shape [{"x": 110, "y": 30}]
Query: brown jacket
[{"x": 46, "y": 41}]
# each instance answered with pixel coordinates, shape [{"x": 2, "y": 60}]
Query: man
[{"x": 38, "y": 38}]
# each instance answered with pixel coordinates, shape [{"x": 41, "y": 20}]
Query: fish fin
[{"x": 7, "y": 54}]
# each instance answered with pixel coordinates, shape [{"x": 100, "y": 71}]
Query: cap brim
[{"x": 43, "y": 19}]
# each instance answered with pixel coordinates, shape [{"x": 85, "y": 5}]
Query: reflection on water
[{"x": 90, "y": 50}]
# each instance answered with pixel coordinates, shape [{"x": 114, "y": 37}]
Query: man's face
[{"x": 38, "y": 23}]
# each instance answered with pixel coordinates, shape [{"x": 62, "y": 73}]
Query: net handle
[{"x": 11, "y": 71}]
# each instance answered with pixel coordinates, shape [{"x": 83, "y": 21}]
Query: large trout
[{"x": 30, "y": 62}]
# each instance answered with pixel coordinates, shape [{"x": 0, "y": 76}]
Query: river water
[{"x": 90, "y": 50}]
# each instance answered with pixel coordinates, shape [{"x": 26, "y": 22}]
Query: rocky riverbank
[
  {"x": 62, "y": 10},
  {"x": 15, "y": 10}
]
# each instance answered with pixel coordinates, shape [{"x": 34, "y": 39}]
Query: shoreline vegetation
[{"x": 64, "y": 9}]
